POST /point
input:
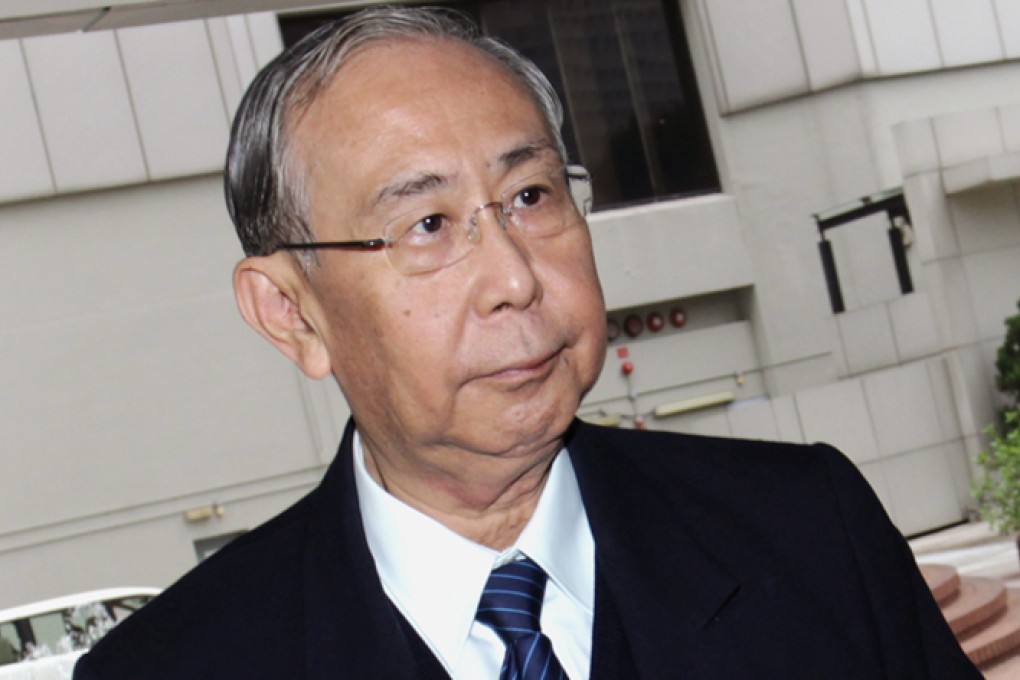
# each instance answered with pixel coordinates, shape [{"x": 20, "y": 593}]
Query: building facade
[{"x": 143, "y": 425}]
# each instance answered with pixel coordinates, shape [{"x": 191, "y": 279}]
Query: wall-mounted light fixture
[{"x": 204, "y": 513}]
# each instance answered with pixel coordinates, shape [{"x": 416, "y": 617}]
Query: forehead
[{"x": 421, "y": 105}]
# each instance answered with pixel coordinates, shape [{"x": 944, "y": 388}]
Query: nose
[
  {"x": 505, "y": 275},
  {"x": 474, "y": 230}
]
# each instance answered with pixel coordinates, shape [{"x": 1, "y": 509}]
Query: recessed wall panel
[
  {"x": 244, "y": 51},
  {"x": 226, "y": 63},
  {"x": 85, "y": 110},
  {"x": 758, "y": 50},
  {"x": 862, "y": 36},
  {"x": 967, "y": 31},
  {"x": 176, "y": 96},
  {"x": 903, "y": 33},
  {"x": 828, "y": 41},
  {"x": 1008, "y": 13},
  {"x": 24, "y": 169}
]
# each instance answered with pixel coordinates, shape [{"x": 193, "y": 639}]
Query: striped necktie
[{"x": 511, "y": 605}]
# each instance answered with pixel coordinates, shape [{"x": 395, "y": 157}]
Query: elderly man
[{"x": 401, "y": 189}]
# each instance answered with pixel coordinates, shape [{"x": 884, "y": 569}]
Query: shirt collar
[{"x": 435, "y": 576}]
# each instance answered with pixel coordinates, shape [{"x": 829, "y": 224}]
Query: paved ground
[{"x": 974, "y": 549}]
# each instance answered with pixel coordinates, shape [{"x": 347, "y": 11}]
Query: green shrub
[
  {"x": 1007, "y": 360},
  {"x": 997, "y": 489}
]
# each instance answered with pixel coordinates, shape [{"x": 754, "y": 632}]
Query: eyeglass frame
[{"x": 576, "y": 176}]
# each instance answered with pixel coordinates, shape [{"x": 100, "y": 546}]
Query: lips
[{"x": 526, "y": 370}]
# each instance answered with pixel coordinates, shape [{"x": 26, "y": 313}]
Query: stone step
[
  {"x": 1003, "y": 669},
  {"x": 998, "y": 638},
  {"x": 943, "y": 582},
  {"x": 984, "y": 616},
  {"x": 978, "y": 602}
]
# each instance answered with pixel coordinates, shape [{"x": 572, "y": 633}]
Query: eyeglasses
[{"x": 540, "y": 206}]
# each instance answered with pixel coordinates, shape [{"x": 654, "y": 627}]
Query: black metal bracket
[{"x": 894, "y": 205}]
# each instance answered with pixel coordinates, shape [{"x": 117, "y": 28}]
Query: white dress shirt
[{"x": 435, "y": 576}]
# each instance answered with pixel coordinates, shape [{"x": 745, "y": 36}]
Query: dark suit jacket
[{"x": 718, "y": 559}]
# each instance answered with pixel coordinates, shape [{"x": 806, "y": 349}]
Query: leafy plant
[
  {"x": 997, "y": 489},
  {"x": 1007, "y": 360}
]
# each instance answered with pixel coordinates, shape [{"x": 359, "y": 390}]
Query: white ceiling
[{"x": 23, "y": 18}]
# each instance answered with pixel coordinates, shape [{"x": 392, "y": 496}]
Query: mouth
[{"x": 527, "y": 370}]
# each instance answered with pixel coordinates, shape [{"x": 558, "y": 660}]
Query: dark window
[
  {"x": 623, "y": 70},
  {"x": 207, "y": 547}
]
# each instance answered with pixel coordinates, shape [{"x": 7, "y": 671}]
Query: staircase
[{"x": 985, "y": 617}]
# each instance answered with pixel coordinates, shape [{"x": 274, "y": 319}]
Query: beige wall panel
[
  {"x": 24, "y": 167},
  {"x": 753, "y": 419},
  {"x": 994, "y": 278},
  {"x": 903, "y": 33},
  {"x": 867, "y": 338},
  {"x": 114, "y": 251},
  {"x": 670, "y": 250},
  {"x": 916, "y": 146},
  {"x": 757, "y": 49},
  {"x": 903, "y": 410},
  {"x": 864, "y": 260},
  {"x": 85, "y": 110},
  {"x": 914, "y": 326},
  {"x": 681, "y": 359},
  {"x": 968, "y": 135},
  {"x": 122, "y": 409},
  {"x": 923, "y": 490},
  {"x": 1009, "y": 120},
  {"x": 838, "y": 414},
  {"x": 129, "y": 375},
  {"x": 968, "y": 31},
  {"x": 891, "y": 101},
  {"x": 177, "y": 97},
  {"x": 787, "y": 420},
  {"x": 827, "y": 38},
  {"x": 790, "y": 160},
  {"x": 150, "y": 551},
  {"x": 945, "y": 402},
  {"x": 934, "y": 233}
]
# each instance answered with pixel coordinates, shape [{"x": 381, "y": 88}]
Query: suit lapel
[
  {"x": 666, "y": 588},
  {"x": 352, "y": 629}
]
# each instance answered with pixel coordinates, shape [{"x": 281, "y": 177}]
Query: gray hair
[{"x": 264, "y": 192}]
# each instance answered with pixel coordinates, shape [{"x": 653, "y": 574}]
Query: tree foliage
[
  {"x": 997, "y": 489},
  {"x": 1007, "y": 360}
]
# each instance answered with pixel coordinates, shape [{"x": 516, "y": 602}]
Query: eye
[
  {"x": 530, "y": 196},
  {"x": 427, "y": 225}
]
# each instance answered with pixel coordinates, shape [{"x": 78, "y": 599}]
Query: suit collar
[
  {"x": 352, "y": 629},
  {"x": 665, "y": 605}
]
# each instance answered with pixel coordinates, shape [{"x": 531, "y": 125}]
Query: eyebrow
[
  {"x": 418, "y": 184},
  {"x": 426, "y": 182},
  {"x": 524, "y": 153}
]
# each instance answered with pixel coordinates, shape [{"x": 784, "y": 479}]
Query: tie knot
[{"x": 511, "y": 602}]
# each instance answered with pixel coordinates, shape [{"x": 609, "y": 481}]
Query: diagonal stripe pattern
[{"x": 511, "y": 605}]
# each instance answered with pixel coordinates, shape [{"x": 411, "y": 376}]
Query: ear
[{"x": 270, "y": 291}]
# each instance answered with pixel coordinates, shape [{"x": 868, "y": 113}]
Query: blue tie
[{"x": 511, "y": 605}]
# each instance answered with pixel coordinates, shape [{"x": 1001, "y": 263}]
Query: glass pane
[
  {"x": 633, "y": 115},
  {"x": 49, "y": 630},
  {"x": 10, "y": 644}
]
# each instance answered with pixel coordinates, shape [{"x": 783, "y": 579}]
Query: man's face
[{"x": 491, "y": 354}]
